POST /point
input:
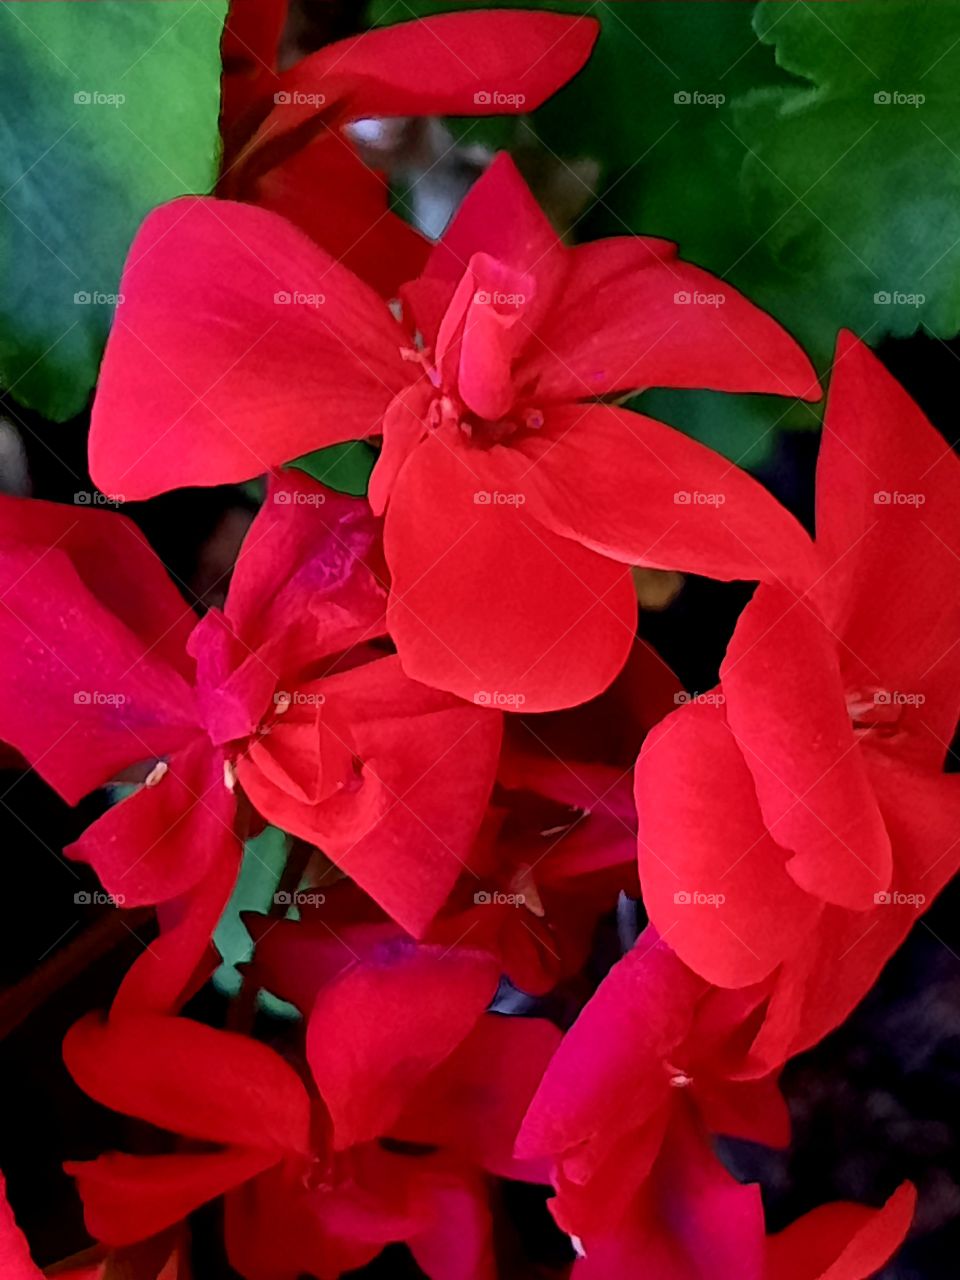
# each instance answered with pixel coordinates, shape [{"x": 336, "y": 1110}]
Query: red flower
[
  {"x": 284, "y": 133},
  {"x": 651, "y": 1068},
  {"x": 654, "y": 1049},
  {"x": 515, "y": 501},
  {"x": 421, "y": 1093},
  {"x": 282, "y": 693},
  {"x": 554, "y": 854},
  {"x": 808, "y": 821}
]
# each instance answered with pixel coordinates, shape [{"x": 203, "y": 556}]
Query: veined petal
[
  {"x": 378, "y": 1031},
  {"x": 215, "y": 1086},
  {"x": 781, "y": 671},
  {"x": 488, "y": 602},
  {"x": 888, "y": 530},
  {"x": 633, "y": 489},
  {"x": 715, "y": 884},
  {"x": 633, "y": 315},
  {"x": 239, "y": 345}
]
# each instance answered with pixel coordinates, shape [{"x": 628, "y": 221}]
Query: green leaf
[
  {"x": 106, "y": 110},
  {"x": 263, "y": 861},
  {"x": 344, "y": 467},
  {"x": 852, "y": 176}
]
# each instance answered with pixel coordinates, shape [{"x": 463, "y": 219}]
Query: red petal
[
  {"x": 130, "y": 1198},
  {"x": 304, "y": 584},
  {"x": 358, "y": 228},
  {"x": 523, "y": 242},
  {"x": 781, "y": 671},
  {"x": 635, "y": 490},
  {"x": 115, "y": 562},
  {"x": 405, "y": 830},
  {"x": 475, "y": 1102},
  {"x": 633, "y": 315},
  {"x": 843, "y": 957},
  {"x": 841, "y": 1241},
  {"x": 714, "y": 882},
  {"x": 378, "y": 1031},
  {"x": 458, "y": 1244},
  {"x": 451, "y": 64},
  {"x": 82, "y": 697},
  {"x": 157, "y": 843},
  {"x": 486, "y": 601},
  {"x": 239, "y": 345},
  {"x": 887, "y": 486},
  {"x": 215, "y": 1086},
  {"x": 608, "y": 1076},
  {"x": 15, "y": 1260},
  {"x": 182, "y": 958}
]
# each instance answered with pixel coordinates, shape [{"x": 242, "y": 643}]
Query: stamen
[{"x": 156, "y": 774}]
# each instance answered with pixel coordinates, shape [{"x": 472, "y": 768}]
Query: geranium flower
[
  {"x": 287, "y": 146},
  {"x": 808, "y": 821},
  {"x": 421, "y": 1092},
  {"x": 648, "y": 1072},
  {"x": 515, "y": 501},
  {"x": 281, "y": 700},
  {"x": 556, "y": 850}
]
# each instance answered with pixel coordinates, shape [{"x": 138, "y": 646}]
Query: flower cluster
[{"x": 438, "y": 693}]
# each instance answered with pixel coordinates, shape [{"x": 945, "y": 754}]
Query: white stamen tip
[
  {"x": 156, "y": 773},
  {"x": 229, "y": 775}
]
